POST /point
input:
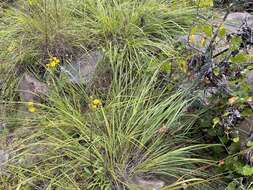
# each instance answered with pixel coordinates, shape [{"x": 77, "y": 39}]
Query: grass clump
[
  {"x": 106, "y": 147},
  {"x": 146, "y": 25},
  {"x": 30, "y": 32},
  {"x": 135, "y": 129},
  {"x": 33, "y": 31}
]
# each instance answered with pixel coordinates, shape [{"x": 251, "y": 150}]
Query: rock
[
  {"x": 82, "y": 71},
  {"x": 147, "y": 184},
  {"x": 239, "y": 5},
  {"x": 30, "y": 88},
  {"x": 4, "y": 156},
  {"x": 232, "y": 24},
  {"x": 195, "y": 44},
  {"x": 235, "y": 20},
  {"x": 245, "y": 129},
  {"x": 2, "y": 126},
  {"x": 249, "y": 80}
]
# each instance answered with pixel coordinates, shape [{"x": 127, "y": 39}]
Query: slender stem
[{"x": 46, "y": 28}]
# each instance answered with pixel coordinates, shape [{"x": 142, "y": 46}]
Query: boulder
[
  {"x": 249, "y": 80},
  {"x": 31, "y": 88},
  {"x": 232, "y": 25},
  {"x": 235, "y": 20},
  {"x": 4, "y": 156},
  {"x": 245, "y": 129},
  {"x": 82, "y": 71},
  {"x": 142, "y": 183}
]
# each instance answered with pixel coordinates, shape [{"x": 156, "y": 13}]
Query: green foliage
[
  {"x": 237, "y": 166},
  {"x": 238, "y": 185},
  {"x": 216, "y": 121},
  {"x": 223, "y": 75},
  {"x": 141, "y": 129},
  {"x": 240, "y": 58},
  {"x": 205, "y": 3},
  {"x": 207, "y": 30},
  {"x": 222, "y": 32},
  {"x": 46, "y": 26},
  {"x": 32, "y": 31},
  {"x": 108, "y": 146},
  {"x": 53, "y": 25},
  {"x": 235, "y": 43},
  {"x": 250, "y": 143}
]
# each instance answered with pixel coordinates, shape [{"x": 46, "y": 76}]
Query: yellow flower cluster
[
  {"x": 54, "y": 61},
  {"x": 95, "y": 103},
  {"x": 31, "y": 107}
]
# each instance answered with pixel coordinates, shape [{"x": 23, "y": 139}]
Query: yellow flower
[
  {"x": 96, "y": 103},
  {"x": 32, "y": 109},
  {"x": 191, "y": 39},
  {"x": 203, "y": 41},
  {"x": 53, "y": 62},
  {"x": 93, "y": 106},
  {"x": 30, "y": 104}
]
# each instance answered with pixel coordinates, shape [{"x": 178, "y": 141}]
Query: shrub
[{"x": 221, "y": 74}]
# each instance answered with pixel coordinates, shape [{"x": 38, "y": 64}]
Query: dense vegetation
[{"x": 103, "y": 94}]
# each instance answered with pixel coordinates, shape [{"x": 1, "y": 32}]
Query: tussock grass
[
  {"x": 65, "y": 144},
  {"x": 29, "y": 32},
  {"x": 68, "y": 148},
  {"x": 32, "y": 32}
]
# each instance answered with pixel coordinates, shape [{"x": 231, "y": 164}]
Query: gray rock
[
  {"x": 4, "y": 156},
  {"x": 2, "y": 126},
  {"x": 147, "y": 184},
  {"x": 30, "y": 88},
  {"x": 245, "y": 128},
  {"x": 232, "y": 25},
  {"x": 82, "y": 71},
  {"x": 196, "y": 44},
  {"x": 249, "y": 80},
  {"x": 235, "y": 20}
]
